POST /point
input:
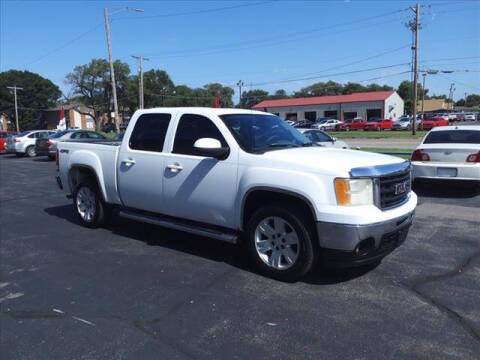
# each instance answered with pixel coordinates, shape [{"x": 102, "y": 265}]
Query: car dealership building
[{"x": 383, "y": 104}]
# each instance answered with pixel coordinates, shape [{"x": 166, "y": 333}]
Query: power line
[
  {"x": 195, "y": 12},
  {"x": 329, "y": 75},
  {"x": 76, "y": 38},
  {"x": 266, "y": 41}
]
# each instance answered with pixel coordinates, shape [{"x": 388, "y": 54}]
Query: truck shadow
[
  {"x": 211, "y": 249},
  {"x": 446, "y": 188}
]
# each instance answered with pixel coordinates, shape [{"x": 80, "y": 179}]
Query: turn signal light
[
  {"x": 475, "y": 158},
  {"x": 418, "y": 155},
  {"x": 16, "y": 140},
  {"x": 49, "y": 143}
]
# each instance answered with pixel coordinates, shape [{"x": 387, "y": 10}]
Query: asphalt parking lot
[{"x": 135, "y": 291}]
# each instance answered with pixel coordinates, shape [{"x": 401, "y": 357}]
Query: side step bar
[{"x": 171, "y": 224}]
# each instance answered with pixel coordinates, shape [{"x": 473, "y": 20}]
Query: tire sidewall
[
  {"x": 98, "y": 219},
  {"x": 30, "y": 148},
  {"x": 306, "y": 255}
]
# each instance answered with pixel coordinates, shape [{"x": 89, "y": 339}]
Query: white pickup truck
[{"x": 241, "y": 175}]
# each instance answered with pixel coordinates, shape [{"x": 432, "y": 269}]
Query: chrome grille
[{"x": 389, "y": 186}]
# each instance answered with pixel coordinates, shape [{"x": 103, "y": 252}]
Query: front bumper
[
  {"x": 353, "y": 245},
  {"x": 459, "y": 171}
]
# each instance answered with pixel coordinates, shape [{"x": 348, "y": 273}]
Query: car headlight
[{"x": 351, "y": 192}]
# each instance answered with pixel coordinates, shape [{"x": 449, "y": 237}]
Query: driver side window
[{"x": 192, "y": 127}]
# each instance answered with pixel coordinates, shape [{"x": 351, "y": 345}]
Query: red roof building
[{"x": 385, "y": 104}]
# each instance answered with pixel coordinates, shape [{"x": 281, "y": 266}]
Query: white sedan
[
  {"x": 321, "y": 138},
  {"x": 448, "y": 152},
  {"x": 330, "y": 124}
]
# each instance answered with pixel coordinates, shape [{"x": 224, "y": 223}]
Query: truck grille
[{"x": 394, "y": 189}]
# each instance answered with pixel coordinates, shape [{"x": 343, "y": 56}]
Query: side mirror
[
  {"x": 334, "y": 138},
  {"x": 211, "y": 148}
]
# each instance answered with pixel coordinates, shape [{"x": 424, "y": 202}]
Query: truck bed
[{"x": 108, "y": 142}]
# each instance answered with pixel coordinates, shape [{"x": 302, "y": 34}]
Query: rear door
[{"x": 140, "y": 166}]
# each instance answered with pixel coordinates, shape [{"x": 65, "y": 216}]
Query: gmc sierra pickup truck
[{"x": 244, "y": 176}]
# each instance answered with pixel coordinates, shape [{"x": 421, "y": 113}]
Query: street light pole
[
  {"x": 15, "y": 88},
  {"x": 240, "y": 83},
  {"x": 416, "y": 10}
]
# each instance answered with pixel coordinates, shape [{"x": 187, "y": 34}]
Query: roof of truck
[{"x": 202, "y": 110}]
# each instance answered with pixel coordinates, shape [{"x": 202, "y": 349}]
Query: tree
[
  {"x": 38, "y": 93},
  {"x": 279, "y": 94},
  {"x": 405, "y": 90},
  {"x": 252, "y": 97},
  {"x": 320, "y": 89},
  {"x": 91, "y": 82},
  {"x": 350, "y": 88},
  {"x": 473, "y": 100}
]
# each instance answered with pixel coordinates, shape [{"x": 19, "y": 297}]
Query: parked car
[
  {"x": 24, "y": 143},
  {"x": 403, "y": 123},
  {"x": 452, "y": 117},
  {"x": 378, "y": 124},
  {"x": 469, "y": 117},
  {"x": 4, "y": 134},
  {"x": 353, "y": 124},
  {"x": 329, "y": 124},
  {"x": 305, "y": 124},
  {"x": 108, "y": 127},
  {"x": 434, "y": 122},
  {"x": 321, "y": 138},
  {"x": 460, "y": 117},
  {"x": 290, "y": 122},
  {"x": 448, "y": 152},
  {"x": 48, "y": 146},
  {"x": 238, "y": 175}
]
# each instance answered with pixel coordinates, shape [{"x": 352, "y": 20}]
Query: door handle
[
  {"x": 175, "y": 167},
  {"x": 128, "y": 162}
]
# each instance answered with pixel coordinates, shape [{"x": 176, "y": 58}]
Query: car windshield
[
  {"x": 453, "y": 137},
  {"x": 59, "y": 134},
  {"x": 318, "y": 136},
  {"x": 257, "y": 133}
]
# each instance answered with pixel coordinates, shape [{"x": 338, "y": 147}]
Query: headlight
[{"x": 352, "y": 192}]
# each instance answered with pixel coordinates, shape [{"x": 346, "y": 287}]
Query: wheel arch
[
  {"x": 264, "y": 195},
  {"x": 79, "y": 173}
]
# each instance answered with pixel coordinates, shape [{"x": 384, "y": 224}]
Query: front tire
[
  {"x": 31, "y": 151},
  {"x": 280, "y": 243},
  {"x": 89, "y": 205}
]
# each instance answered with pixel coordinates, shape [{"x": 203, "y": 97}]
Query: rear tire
[
  {"x": 89, "y": 206},
  {"x": 280, "y": 244},
  {"x": 30, "y": 151}
]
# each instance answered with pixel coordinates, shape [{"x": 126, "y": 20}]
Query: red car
[
  {"x": 378, "y": 124},
  {"x": 353, "y": 124},
  {"x": 3, "y": 138},
  {"x": 434, "y": 121}
]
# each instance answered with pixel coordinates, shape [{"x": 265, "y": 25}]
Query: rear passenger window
[
  {"x": 191, "y": 128},
  {"x": 149, "y": 132}
]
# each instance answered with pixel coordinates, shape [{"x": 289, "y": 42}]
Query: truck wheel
[
  {"x": 281, "y": 245},
  {"x": 89, "y": 205},
  {"x": 31, "y": 151}
]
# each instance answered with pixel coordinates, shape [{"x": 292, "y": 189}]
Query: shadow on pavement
[
  {"x": 211, "y": 249},
  {"x": 446, "y": 188},
  {"x": 43, "y": 159}
]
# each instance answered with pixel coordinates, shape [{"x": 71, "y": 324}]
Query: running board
[{"x": 192, "y": 229}]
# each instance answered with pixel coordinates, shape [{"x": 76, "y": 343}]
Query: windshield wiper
[{"x": 278, "y": 145}]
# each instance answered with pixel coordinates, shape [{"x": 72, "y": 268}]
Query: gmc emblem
[{"x": 401, "y": 188}]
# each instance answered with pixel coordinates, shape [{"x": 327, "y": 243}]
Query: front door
[
  {"x": 141, "y": 163},
  {"x": 196, "y": 187}
]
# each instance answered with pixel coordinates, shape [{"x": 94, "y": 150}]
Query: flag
[
  {"x": 61, "y": 123},
  {"x": 217, "y": 101}
]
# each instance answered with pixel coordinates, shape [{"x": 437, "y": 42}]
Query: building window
[
  {"x": 332, "y": 114},
  {"x": 291, "y": 116},
  {"x": 310, "y": 115},
  {"x": 349, "y": 115}
]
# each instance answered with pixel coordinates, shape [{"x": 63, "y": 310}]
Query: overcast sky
[{"x": 278, "y": 43}]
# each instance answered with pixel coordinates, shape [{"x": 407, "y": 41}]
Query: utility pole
[
  {"x": 15, "y": 88},
  {"x": 240, "y": 83},
  {"x": 416, "y": 10},
  {"x": 450, "y": 94},
  {"x": 140, "y": 70},
  {"x": 112, "y": 72},
  {"x": 423, "y": 92}
]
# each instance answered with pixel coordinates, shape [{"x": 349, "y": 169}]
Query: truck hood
[{"x": 332, "y": 161}]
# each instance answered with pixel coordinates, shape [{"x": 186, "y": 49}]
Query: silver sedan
[{"x": 321, "y": 138}]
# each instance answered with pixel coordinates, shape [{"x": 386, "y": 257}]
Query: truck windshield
[{"x": 257, "y": 133}]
